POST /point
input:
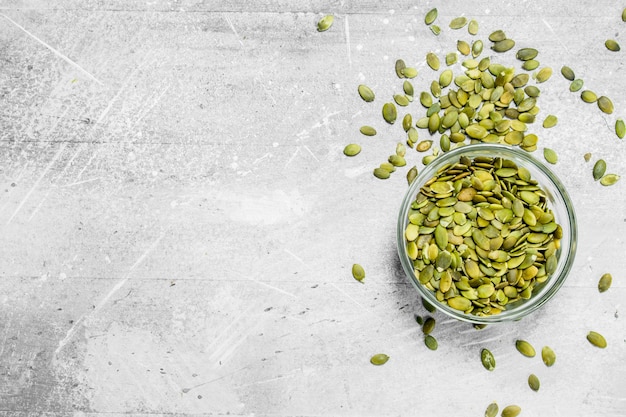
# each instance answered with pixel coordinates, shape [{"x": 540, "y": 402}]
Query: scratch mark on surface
[
  {"x": 277, "y": 378},
  {"x": 311, "y": 152},
  {"x": 292, "y": 156},
  {"x": 230, "y": 23},
  {"x": 256, "y": 161},
  {"x": 156, "y": 101},
  {"x": 43, "y": 174},
  {"x": 545, "y": 22},
  {"x": 81, "y": 182},
  {"x": 87, "y": 164},
  {"x": 39, "y": 206},
  {"x": 294, "y": 256},
  {"x": 349, "y": 296},
  {"x": 186, "y": 390},
  {"x": 56, "y": 52},
  {"x": 347, "y": 30},
  {"x": 272, "y": 287},
  {"x": 222, "y": 335},
  {"x": 106, "y": 298}
]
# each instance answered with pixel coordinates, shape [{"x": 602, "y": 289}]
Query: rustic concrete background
[{"x": 178, "y": 222}]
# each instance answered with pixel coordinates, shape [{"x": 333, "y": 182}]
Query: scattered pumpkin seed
[
  {"x": 419, "y": 320},
  {"x": 430, "y": 16},
  {"x": 458, "y": 22},
  {"x": 596, "y": 339},
  {"x": 435, "y": 29},
  {"x": 430, "y": 342},
  {"x": 497, "y": 36},
  {"x": 411, "y": 175},
  {"x": 568, "y": 73},
  {"x": 589, "y": 96},
  {"x": 379, "y": 359},
  {"x": 401, "y": 100},
  {"x": 550, "y": 121},
  {"x": 548, "y": 356},
  {"x": 612, "y": 45},
  {"x": 550, "y": 155},
  {"x": 381, "y": 173},
  {"x": 544, "y": 74},
  {"x": 429, "y": 325},
  {"x": 368, "y": 130},
  {"x": 463, "y": 47},
  {"x": 472, "y": 28},
  {"x": 409, "y": 72},
  {"x": 400, "y": 66},
  {"x": 526, "y": 54},
  {"x": 530, "y": 65},
  {"x": 390, "y": 113},
  {"x": 587, "y": 156},
  {"x": 451, "y": 59},
  {"x": 503, "y": 45},
  {"x": 488, "y": 360},
  {"x": 533, "y": 382},
  {"x": 366, "y": 93},
  {"x": 605, "y": 104},
  {"x": 511, "y": 411},
  {"x": 325, "y": 23},
  {"x": 624, "y": 15},
  {"x": 620, "y": 128},
  {"x": 492, "y": 410},
  {"x": 477, "y": 48},
  {"x": 358, "y": 272},
  {"x": 605, "y": 282},
  {"x": 609, "y": 179},
  {"x": 599, "y": 168},
  {"x": 525, "y": 348},
  {"x": 428, "y": 306},
  {"x": 576, "y": 85},
  {"x": 352, "y": 149},
  {"x": 433, "y": 61}
]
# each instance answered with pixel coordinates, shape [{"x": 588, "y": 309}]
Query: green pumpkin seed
[
  {"x": 409, "y": 72},
  {"x": 612, "y": 45},
  {"x": 463, "y": 47},
  {"x": 397, "y": 160},
  {"x": 352, "y": 149},
  {"x": 550, "y": 121},
  {"x": 435, "y": 29},
  {"x": 419, "y": 320},
  {"x": 459, "y": 303},
  {"x": 358, "y": 272},
  {"x": 548, "y": 356},
  {"x": 605, "y": 104},
  {"x": 379, "y": 359},
  {"x": 401, "y": 100},
  {"x": 408, "y": 88},
  {"x": 599, "y": 168},
  {"x": 451, "y": 59},
  {"x": 400, "y": 66},
  {"x": 596, "y": 339},
  {"x": 526, "y": 54},
  {"x": 492, "y": 410},
  {"x": 609, "y": 179},
  {"x": 433, "y": 61},
  {"x": 445, "y": 78},
  {"x": 525, "y": 348},
  {"x": 381, "y": 173},
  {"x": 368, "y": 130},
  {"x": 605, "y": 282},
  {"x": 624, "y": 15},
  {"x": 487, "y": 359},
  {"x": 430, "y": 16},
  {"x": 544, "y": 74},
  {"x": 550, "y": 155},
  {"x": 366, "y": 93},
  {"x": 533, "y": 382},
  {"x": 620, "y": 128},
  {"x": 497, "y": 36},
  {"x": 429, "y": 325},
  {"x": 477, "y": 48},
  {"x": 430, "y": 342},
  {"x": 388, "y": 167},
  {"x": 568, "y": 73},
  {"x": 511, "y": 411},
  {"x": 576, "y": 85},
  {"x": 458, "y": 22},
  {"x": 424, "y": 145},
  {"x": 503, "y": 45},
  {"x": 325, "y": 23},
  {"x": 390, "y": 113},
  {"x": 530, "y": 65},
  {"x": 589, "y": 96},
  {"x": 472, "y": 28},
  {"x": 587, "y": 156}
]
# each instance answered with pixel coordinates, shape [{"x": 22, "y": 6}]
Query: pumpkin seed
[
  {"x": 620, "y": 128},
  {"x": 368, "y": 130},
  {"x": 366, "y": 93},
  {"x": 433, "y": 61},
  {"x": 472, "y": 28},
  {"x": 379, "y": 359},
  {"x": 587, "y": 156},
  {"x": 533, "y": 382},
  {"x": 424, "y": 145},
  {"x": 544, "y": 74},
  {"x": 400, "y": 66},
  {"x": 576, "y": 85},
  {"x": 548, "y": 356},
  {"x": 477, "y": 48},
  {"x": 463, "y": 47},
  {"x": 430, "y": 16},
  {"x": 381, "y": 173},
  {"x": 487, "y": 359},
  {"x": 352, "y": 149},
  {"x": 435, "y": 29},
  {"x": 358, "y": 272},
  {"x": 451, "y": 59},
  {"x": 511, "y": 411},
  {"x": 526, "y": 54},
  {"x": 419, "y": 320},
  {"x": 624, "y": 15},
  {"x": 429, "y": 325},
  {"x": 605, "y": 104},
  {"x": 430, "y": 342},
  {"x": 492, "y": 410},
  {"x": 458, "y": 22},
  {"x": 503, "y": 45},
  {"x": 568, "y": 73},
  {"x": 550, "y": 155},
  {"x": 609, "y": 179},
  {"x": 530, "y": 65},
  {"x": 599, "y": 168},
  {"x": 397, "y": 160},
  {"x": 390, "y": 113},
  {"x": 596, "y": 339},
  {"x": 612, "y": 45},
  {"x": 325, "y": 23},
  {"x": 588, "y": 96},
  {"x": 497, "y": 36},
  {"x": 409, "y": 72},
  {"x": 525, "y": 348},
  {"x": 550, "y": 121},
  {"x": 408, "y": 88},
  {"x": 605, "y": 282}
]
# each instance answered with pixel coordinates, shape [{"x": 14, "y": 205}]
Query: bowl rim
[{"x": 566, "y": 254}]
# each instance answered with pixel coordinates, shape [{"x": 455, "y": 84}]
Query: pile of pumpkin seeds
[{"x": 481, "y": 235}]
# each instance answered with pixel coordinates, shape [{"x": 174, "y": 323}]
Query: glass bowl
[{"x": 557, "y": 201}]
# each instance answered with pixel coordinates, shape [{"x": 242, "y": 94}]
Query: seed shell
[
  {"x": 492, "y": 410},
  {"x": 431, "y": 342},
  {"x": 605, "y": 104},
  {"x": 379, "y": 359},
  {"x": 511, "y": 411},
  {"x": 488, "y": 360},
  {"x": 325, "y": 23},
  {"x": 609, "y": 179},
  {"x": 620, "y": 128},
  {"x": 548, "y": 356},
  {"x": 605, "y": 282},
  {"x": 368, "y": 130},
  {"x": 352, "y": 149},
  {"x": 525, "y": 348},
  {"x": 358, "y": 272},
  {"x": 599, "y": 168},
  {"x": 550, "y": 155},
  {"x": 612, "y": 45},
  {"x": 366, "y": 93},
  {"x": 533, "y": 382},
  {"x": 430, "y": 16},
  {"x": 596, "y": 339},
  {"x": 568, "y": 73}
]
